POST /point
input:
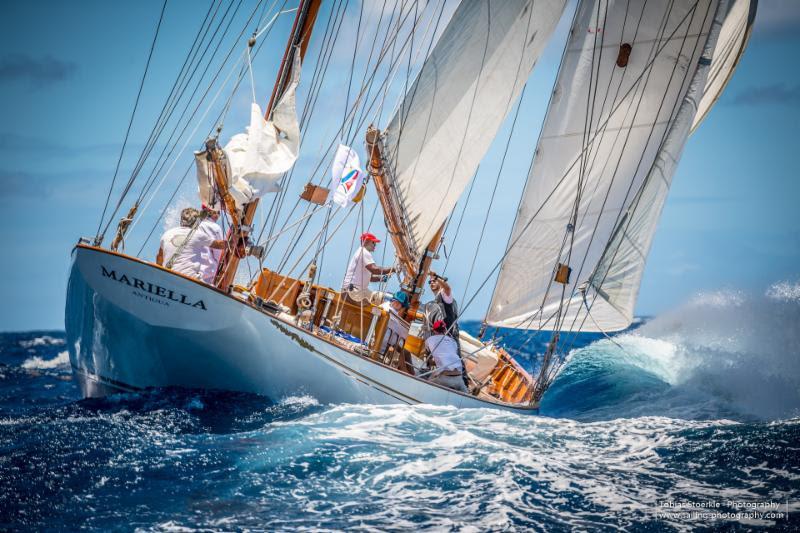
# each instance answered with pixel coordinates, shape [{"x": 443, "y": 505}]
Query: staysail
[
  {"x": 624, "y": 101},
  {"x": 452, "y": 112}
]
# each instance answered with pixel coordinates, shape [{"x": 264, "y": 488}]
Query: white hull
[{"x": 132, "y": 325}]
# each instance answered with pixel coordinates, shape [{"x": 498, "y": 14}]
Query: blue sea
[{"x": 689, "y": 420}]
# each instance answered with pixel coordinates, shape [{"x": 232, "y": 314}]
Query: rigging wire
[
  {"x": 602, "y": 132},
  {"x": 158, "y": 169},
  {"x": 160, "y": 122},
  {"x": 665, "y": 133},
  {"x": 220, "y": 117},
  {"x": 148, "y": 187},
  {"x": 365, "y": 90},
  {"x": 494, "y": 192},
  {"x": 98, "y": 235},
  {"x": 650, "y": 134}
]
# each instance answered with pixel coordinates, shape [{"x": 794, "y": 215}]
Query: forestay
[
  {"x": 612, "y": 137},
  {"x": 452, "y": 112}
]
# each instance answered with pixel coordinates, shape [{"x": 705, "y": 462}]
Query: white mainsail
[
  {"x": 614, "y": 132},
  {"x": 452, "y": 112}
]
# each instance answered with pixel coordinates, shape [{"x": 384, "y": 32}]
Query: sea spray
[{"x": 724, "y": 353}]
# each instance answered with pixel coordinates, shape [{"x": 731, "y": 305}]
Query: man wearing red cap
[{"x": 362, "y": 269}]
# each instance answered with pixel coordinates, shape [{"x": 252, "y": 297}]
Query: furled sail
[
  {"x": 625, "y": 99},
  {"x": 452, "y": 112},
  {"x": 257, "y": 158}
]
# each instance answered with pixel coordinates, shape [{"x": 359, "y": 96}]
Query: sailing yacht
[{"x": 636, "y": 77}]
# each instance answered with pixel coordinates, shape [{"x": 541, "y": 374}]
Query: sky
[{"x": 69, "y": 75}]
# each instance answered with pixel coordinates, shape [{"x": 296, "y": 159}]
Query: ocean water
[{"x": 691, "y": 419}]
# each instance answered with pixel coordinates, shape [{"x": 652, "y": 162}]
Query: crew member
[
  {"x": 396, "y": 305},
  {"x": 182, "y": 248},
  {"x": 362, "y": 270},
  {"x": 211, "y": 256},
  {"x": 444, "y": 350},
  {"x": 397, "y": 327},
  {"x": 443, "y": 295}
]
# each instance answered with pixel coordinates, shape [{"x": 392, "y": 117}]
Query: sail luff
[
  {"x": 733, "y": 39},
  {"x": 525, "y": 296}
]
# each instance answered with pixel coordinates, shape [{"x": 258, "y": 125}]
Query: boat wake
[{"x": 724, "y": 354}]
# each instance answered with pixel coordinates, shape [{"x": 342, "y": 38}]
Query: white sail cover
[
  {"x": 257, "y": 158},
  {"x": 616, "y": 134},
  {"x": 452, "y": 112}
]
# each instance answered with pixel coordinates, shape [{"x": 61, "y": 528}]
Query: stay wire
[
  {"x": 357, "y": 103},
  {"x": 666, "y": 132},
  {"x": 159, "y": 164},
  {"x": 218, "y": 122},
  {"x": 98, "y": 236},
  {"x": 161, "y": 120},
  {"x": 650, "y": 133}
]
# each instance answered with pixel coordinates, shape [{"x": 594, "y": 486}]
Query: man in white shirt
[
  {"x": 182, "y": 248},
  {"x": 210, "y": 258},
  {"x": 362, "y": 270},
  {"x": 444, "y": 350}
]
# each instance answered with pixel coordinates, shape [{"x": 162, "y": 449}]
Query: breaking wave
[
  {"x": 38, "y": 363},
  {"x": 724, "y": 354}
]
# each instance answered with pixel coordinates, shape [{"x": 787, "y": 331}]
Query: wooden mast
[
  {"x": 237, "y": 235},
  {"x": 416, "y": 269},
  {"x": 394, "y": 219}
]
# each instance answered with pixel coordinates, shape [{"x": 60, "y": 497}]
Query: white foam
[
  {"x": 784, "y": 291},
  {"x": 45, "y": 340},
  {"x": 37, "y": 363},
  {"x": 719, "y": 298},
  {"x": 299, "y": 401},
  {"x": 724, "y": 349}
]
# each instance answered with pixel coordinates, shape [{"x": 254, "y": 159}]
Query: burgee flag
[{"x": 347, "y": 176}]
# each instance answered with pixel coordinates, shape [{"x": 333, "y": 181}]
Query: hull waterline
[{"x": 133, "y": 325}]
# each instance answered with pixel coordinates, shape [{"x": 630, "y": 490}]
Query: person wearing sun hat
[
  {"x": 444, "y": 350},
  {"x": 362, "y": 270},
  {"x": 397, "y": 327},
  {"x": 396, "y": 304}
]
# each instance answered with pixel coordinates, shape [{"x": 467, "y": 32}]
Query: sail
[
  {"x": 452, "y": 112},
  {"x": 732, "y": 41},
  {"x": 624, "y": 102}
]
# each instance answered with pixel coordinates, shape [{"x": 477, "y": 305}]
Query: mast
[
  {"x": 415, "y": 270},
  {"x": 237, "y": 236},
  {"x": 395, "y": 223}
]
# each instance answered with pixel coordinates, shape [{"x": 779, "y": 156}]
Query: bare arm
[
  {"x": 375, "y": 270},
  {"x": 218, "y": 245},
  {"x": 445, "y": 287}
]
